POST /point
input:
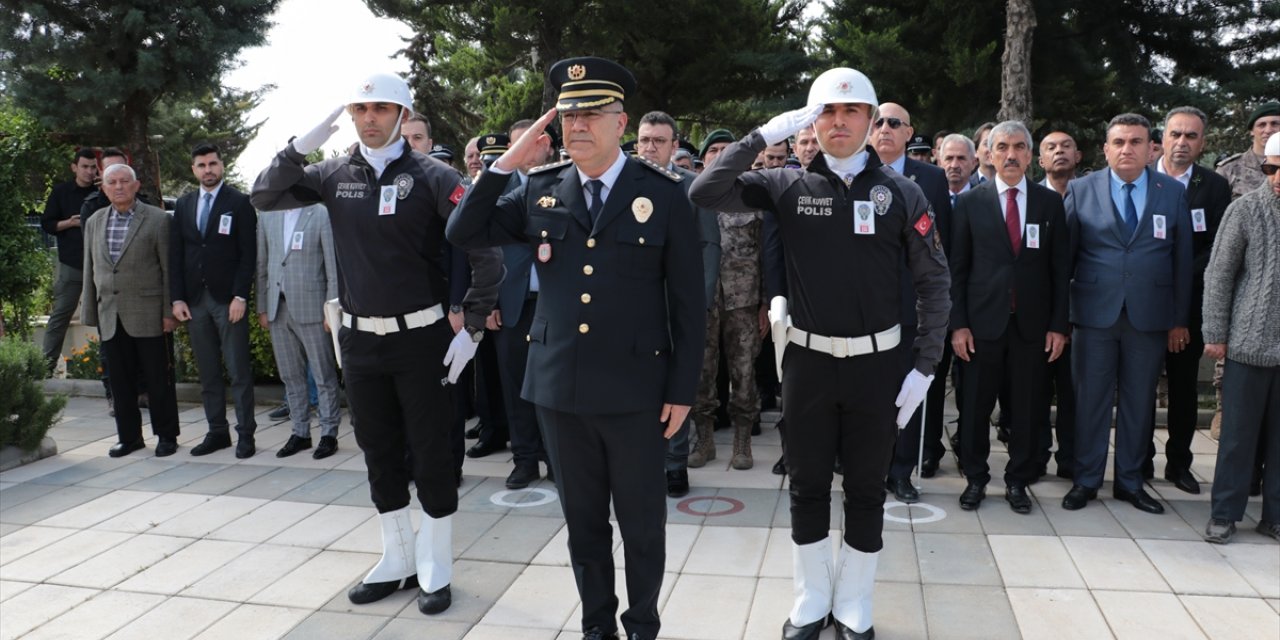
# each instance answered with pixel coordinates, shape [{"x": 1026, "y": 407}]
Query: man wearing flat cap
[
  {"x": 1242, "y": 169},
  {"x": 616, "y": 338}
]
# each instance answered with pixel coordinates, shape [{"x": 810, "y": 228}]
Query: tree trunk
[
  {"x": 136, "y": 122},
  {"x": 1015, "y": 81}
]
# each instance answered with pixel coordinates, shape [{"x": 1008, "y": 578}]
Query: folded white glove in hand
[
  {"x": 311, "y": 140},
  {"x": 914, "y": 388},
  {"x": 786, "y": 125},
  {"x": 461, "y": 350}
]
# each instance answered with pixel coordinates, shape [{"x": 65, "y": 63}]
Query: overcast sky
[{"x": 315, "y": 53}]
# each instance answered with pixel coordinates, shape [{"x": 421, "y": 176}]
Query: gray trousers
[
  {"x": 216, "y": 341},
  {"x": 298, "y": 346},
  {"x": 66, "y": 296},
  {"x": 1250, "y": 405}
]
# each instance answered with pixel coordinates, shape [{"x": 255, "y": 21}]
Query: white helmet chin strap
[
  {"x": 395, "y": 133},
  {"x": 871, "y": 124}
]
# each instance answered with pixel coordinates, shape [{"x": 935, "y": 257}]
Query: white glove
[
  {"x": 311, "y": 140},
  {"x": 914, "y": 388},
  {"x": 786, "y": 125},
  {"x": 461, "y": 350}
]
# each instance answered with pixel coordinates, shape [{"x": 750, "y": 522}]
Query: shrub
[
  {"x": 25, "y": 413},
  {"x": 85, "y": 363}
]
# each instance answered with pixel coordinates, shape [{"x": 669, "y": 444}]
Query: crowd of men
[{"x": 572, "y": 292}]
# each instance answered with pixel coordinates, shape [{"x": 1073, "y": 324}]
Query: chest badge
[
  {"x": 404, "y": 184},
  {"x": 881, "y": 197},
  {"x": 642, "y": 208},
  {"x": 546, "y": 202}
]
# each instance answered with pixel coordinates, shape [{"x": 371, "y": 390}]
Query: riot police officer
[{"x": 850, "y": 223}]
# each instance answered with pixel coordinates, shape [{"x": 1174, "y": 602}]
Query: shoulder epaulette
[
  {"x": 549, "y": 167},
  {"x": 1227, "y": 159},
  {"x": 665, "y": 172}
]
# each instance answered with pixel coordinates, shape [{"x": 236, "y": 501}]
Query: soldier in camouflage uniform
[
  {"x": 1243, "y": 172},
  {"x": 733, "y": 323}
]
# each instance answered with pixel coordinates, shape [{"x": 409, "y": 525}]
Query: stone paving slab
[{"x": 216, "y": 547}]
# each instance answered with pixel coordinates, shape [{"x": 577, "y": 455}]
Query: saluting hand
[
  {"x": 786, "y": 125},
  {"x": 525, "y": 149},
  {"x": 313, "y": 139}
]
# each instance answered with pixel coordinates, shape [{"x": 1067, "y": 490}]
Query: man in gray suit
[
  {"x": 296, "y": 273},
  {"x": 126, "y": 296},
  {"x": 1130, "y": 302}
]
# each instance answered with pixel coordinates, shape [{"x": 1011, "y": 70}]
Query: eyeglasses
[
  {"x": 590, "y": 117},
  {"x": 894, "y": 123},
  {"x": 1269, "y": 169},
  {"x": 657, "y": 142}
]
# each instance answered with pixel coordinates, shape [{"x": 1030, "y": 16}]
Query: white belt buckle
[
  {"x": 840, "y": 347},
  {"x": 378, "y": 327}
]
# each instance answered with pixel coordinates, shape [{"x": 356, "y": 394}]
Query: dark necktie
[
  {"x": 204, "y": 212},
  {"x": 1013, "y": 221},
  {"x": 597, "y": 203},
  {"x": 1130, "y": 210}
]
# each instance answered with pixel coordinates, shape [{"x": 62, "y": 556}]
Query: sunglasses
[
  {"x": 1269, "y": 169},
  {"x": 894, "y": 123}
]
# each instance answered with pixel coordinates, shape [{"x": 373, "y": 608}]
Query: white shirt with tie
[{"x": 1020, "y": 198}]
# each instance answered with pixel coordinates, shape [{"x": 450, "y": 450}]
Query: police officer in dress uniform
[
  {"x": 388, "y": 205},
  {"x": 849, "y": 222},
  {"x": 617, "y": 334}
]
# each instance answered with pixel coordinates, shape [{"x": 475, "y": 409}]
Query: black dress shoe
[
  {"x": 929, "y": 468},
  {"x": 125, "y": 448},
  {"x": 1140, "y": 499},
  {"x": 212, "y": 442},
  {"x": 166, "y": 447},
  {"x": 807, "y": 632},
  {"x": 328, "y": 446},
  {"x": 973, "y": 495},
  {"x": 245, "y": 448},
  {"x": 1002, "y": 434},
  {"x": 472, "y": 433},
  {"x": 780, "y": 467},
  {"x": 845, "y": 633},
  {"x": 596, "y": 634},
  {"x": 955, "y": 443},
  {"x": 522, "y": 476},
  {"x": 1078, "y": 497},
  {"x": 294, "y": 445},
  {"x": 1182, "y": 479},
  {"x": 678, "y": 483},
  {"x": 1019, "y": 501},
  {"x": 434, "y": 602},
  {"x": 279, "y": 413},
  {"x": 903, "y": 490},
  {"x": 482, "y": 449},
  {"x": 367, "y": 592}
]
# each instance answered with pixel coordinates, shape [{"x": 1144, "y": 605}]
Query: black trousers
[
  {"x": 488, "y": 394},
  {"x": 1250, "y": 407},
  {"x": 1058, "y": 383},
  {"x": 395, "y": 382},
  {"x": 620, "y": 457},
  {"x": 1182, "y": 369},
  {"x": 845, "y": 406},
  {"x": 907, "y": 450},
  {"x": 1019, "y": 362},
  {"x": 142, "y": 364},
  {"x": 522, "y": 421}
]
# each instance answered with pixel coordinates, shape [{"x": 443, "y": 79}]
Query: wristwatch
[
  {"x": 476, "y": 334},
  {"x": 455, "y": 308}
]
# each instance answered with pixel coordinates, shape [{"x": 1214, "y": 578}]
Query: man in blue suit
[{"x": 1130, "y": 303}]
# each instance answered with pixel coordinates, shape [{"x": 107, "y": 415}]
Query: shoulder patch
[
  {"x": 1231, "y": 158},
  {"x": 457, "y": 194},
  {"x": 663, "y": 171},
  {"x": 925, "y": 223},
  {"x": 549, "y": 167}
]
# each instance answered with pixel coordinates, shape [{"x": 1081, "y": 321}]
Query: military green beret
[
  {"x": 719, "y": 135},
  {"x": 1265, "y": 109}
]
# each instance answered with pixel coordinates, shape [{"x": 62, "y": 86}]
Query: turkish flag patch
[
  {"x": 457, "y": 194},
  {"x": 924, "y": 224}
]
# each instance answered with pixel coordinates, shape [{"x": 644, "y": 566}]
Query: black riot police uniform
[
  {"x": 391, "y": 266},
  {"x": 838, "y": 395},
  {"x": 616, "y": 333}
]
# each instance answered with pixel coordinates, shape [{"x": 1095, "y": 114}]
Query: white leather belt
[
  {"x": 391, "y": 324},
  {"x": 847, "y": 347}
]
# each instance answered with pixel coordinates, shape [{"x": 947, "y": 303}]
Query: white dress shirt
[{"x": 1021, "y": 198}]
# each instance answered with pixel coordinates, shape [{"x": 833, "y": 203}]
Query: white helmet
[
  {"x": 383, "y": 87},
  {"x": 1273, "y": 146},
  {"x": 840, "y": 85}
]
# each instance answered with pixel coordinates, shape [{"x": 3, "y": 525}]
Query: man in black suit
[
  {"x": 212, "y": 254},
  {"x": 1010, "y": 268},
  {"x": 890, "y": 133},
  {"x": 1208, "y": 195},
  {"x": 616, "y": 339}
]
